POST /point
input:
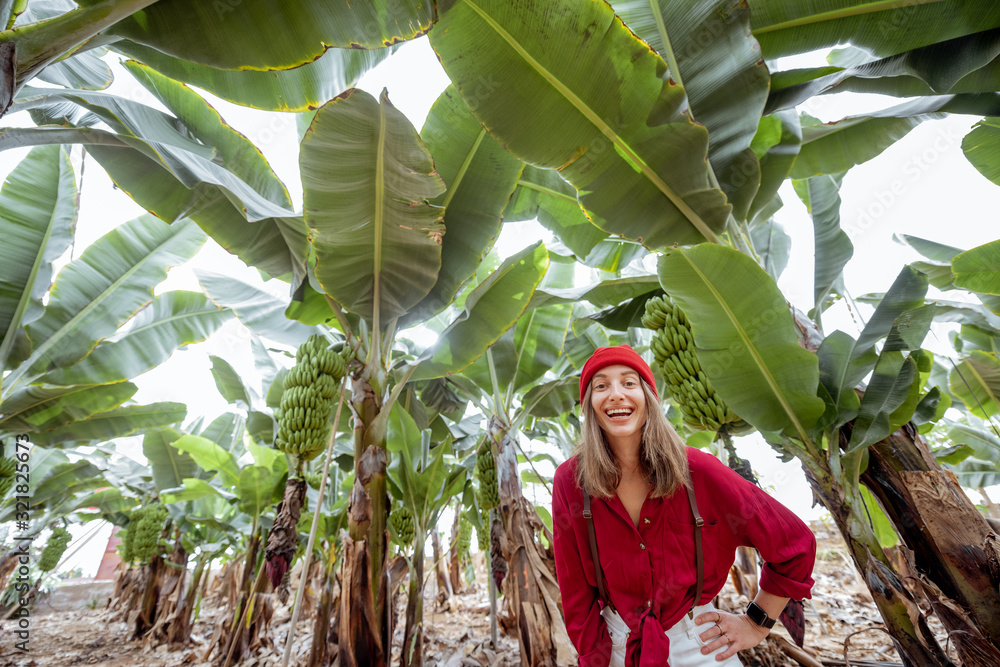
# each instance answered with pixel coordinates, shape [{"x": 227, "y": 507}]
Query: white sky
[{"x": 938, "y": 195}]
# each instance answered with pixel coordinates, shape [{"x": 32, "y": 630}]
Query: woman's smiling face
[{"x": 618, "y": 401}]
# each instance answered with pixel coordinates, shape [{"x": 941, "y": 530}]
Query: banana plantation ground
[{"x": 458, "y": 634}]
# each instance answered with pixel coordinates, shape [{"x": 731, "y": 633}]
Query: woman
[{"x": 638, "y": 474}]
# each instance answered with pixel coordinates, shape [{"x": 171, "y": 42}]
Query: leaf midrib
[
  {"x": 847, "y": 12},
  {"x": 599, "y": 123}
]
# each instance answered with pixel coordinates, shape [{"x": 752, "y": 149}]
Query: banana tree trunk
[
  {"x": 455, "y": 558},
  {"x": 904, "y": 621},
  {"x": 948, "y": 541},
  {"x": 413, "y": 637},
  {"x": 321, "y": 627},
  {"x": 531, "y": 588},
  {"x": 364, "y": 626}
]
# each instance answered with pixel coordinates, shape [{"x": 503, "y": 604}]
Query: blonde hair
[{"x": 662, "y": 454}]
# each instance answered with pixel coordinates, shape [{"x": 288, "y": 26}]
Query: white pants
[{"x": 685, "y": 644}]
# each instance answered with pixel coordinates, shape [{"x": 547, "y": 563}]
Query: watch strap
[{"x": 759, "y": 616}]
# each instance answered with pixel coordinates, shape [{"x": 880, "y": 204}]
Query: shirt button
[
  {"x": 646, "y": 520},
  {"x": 649, "y": 603},
  {"x": 642, "y": 546}
]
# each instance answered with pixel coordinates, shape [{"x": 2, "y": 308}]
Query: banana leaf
[
  {"x": 821, "y": 195},
  {"x": 978, "y": 269},
  {"x": 883, "y": 27},
  {"x": 38, "y": 207},
  {"x": 259, "y": 310},
  {"x": 96, "y": 293},
  {"x": 745, "y": 338},
  {"x": 777, "y": 144},
  {"x": 263, "y": 35},
  {"x": 211, "y": 457},
  {"x": 84, "y": 69},
  {"x": 888, "y": 401},
  {"x": 596, "y": 104},
  {"x": 490, "y": 310},
  {"x": 480, "y": 176},
  {"x": 35, "y": 409},
  {"x": 773, "y": 245},
  {"x": 169, "y": 466},
  {"x": 171, "y": 321},
  {"x": 976, "y": 380},
  {"x": 712, "y": 54},
  {"x": 299, "y": 89},
  {"x": 117, "y": 423},
  {"x": 937, "y": 69},
  {"x": 366, "y": 179},
  {"x": 545, "y": 195}
]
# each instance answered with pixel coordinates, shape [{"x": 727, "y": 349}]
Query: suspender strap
[
  {"x": 699, "y": 557},
  {"x": 598, "y": 570}
]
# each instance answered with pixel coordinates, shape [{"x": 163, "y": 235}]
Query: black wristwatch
[{"x": 759, "y": 616}]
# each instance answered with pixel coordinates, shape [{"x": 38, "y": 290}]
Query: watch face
[{"x": 759, "y": 616}]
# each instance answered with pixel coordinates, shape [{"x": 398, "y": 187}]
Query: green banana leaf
[
  {"x": 938, "y": 67},
  {"x": 490, "y": 309},
  {"x": 882, "y": 27},
  {"x": 63, "y": 482},
  {"x": 888, "y": 401},
  {"x": 596, "y": 104},
  {"x": 842, "y": 402},
  {"x": 821, "y": 195},
  {"x": 211, "y": 457},
  {"x": 905, "y": 297},
  {"x": 263, "y": 35},
  {"x": 299, "y": 89},
  {"x": 366, "y": 179},
  {"x": 551, "y": 399},
  {"x": 171, "y": 321},
  {"x": 194, "y": 489},
  {"x": 545, "y": 195},
  {"x": 777, "y": 144},
  {"x": 38, "y": 207},
  {"x": 257, "y": 309},
  {"x": 117, "y": 423},
  {"x": 169, "y": 466},
  {"x": 976, "y": 380},
  {"x": 532, "y": 346},
  {"x": 231, "y": 385},
  {"x": 229, "y": 162},
  {"x": 605, "y": 293},
  {"x": 745, "y": 338},
  {"x": 96, "y": 293},
  {"x": 978, "y": 269},
  {"x": 712, "y": 54},
  {"x": 168, "y": 171},
  {"x": 982, "y": 469},
  {"x": 35, "y": 409},
  {"x": 226, "y": 430},
  {"x": 256, "y": 487},
  {"x": 836, "y": 147},
  {"x": 773, "y": 245},
  {"x": 480, "y": 176},
  {"x": 932, "y": 250}
]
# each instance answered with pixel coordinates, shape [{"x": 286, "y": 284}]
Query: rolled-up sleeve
[
  {"x": 580, "y": 600},
  {"x": 757, "y": 520}
]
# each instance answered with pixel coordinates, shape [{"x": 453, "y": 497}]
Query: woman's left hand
[{"x": 735, "y": 632}]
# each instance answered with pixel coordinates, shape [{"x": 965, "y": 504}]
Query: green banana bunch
[
  {"x": 483, "y": 534},
  {"x": 673, "y": 349},
  {"x": 141, "y": 540},
  {"x": 486, "y": 474},
  {"x": 403, "y": 526},
  {"x": 7, "y": 469},
  {"x": 307, "y": 402},
  {"x": 54, "y": 549},
  {"x": 463, "y": 542}
]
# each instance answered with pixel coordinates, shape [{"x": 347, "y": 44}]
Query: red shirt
[{"x": 650, "y": 571}]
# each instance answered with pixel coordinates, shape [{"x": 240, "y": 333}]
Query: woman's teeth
[{"x": 620, "y": 412}]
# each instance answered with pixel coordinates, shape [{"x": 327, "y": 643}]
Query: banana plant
[{"x": 424, "y": 477}]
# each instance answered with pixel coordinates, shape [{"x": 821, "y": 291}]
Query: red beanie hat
[{"x": 609, "y": 356}]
